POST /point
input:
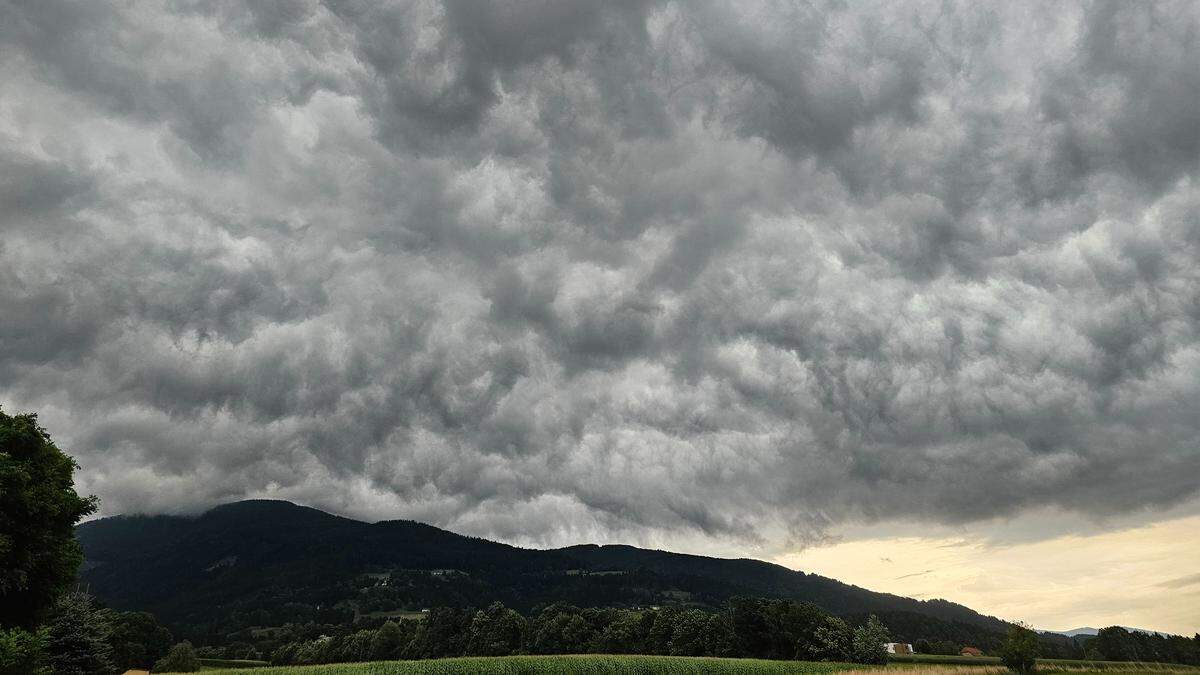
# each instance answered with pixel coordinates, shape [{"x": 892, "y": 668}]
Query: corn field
[{"x": 582, "y": 664}]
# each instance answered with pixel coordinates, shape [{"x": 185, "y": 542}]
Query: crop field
[
  {"x": 1046, "y": 664},
  {"x": 595, "y": 664},
  {"x": 582, "y": 664}
]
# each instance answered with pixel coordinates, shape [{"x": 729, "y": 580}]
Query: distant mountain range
[
  {"x": 259, "y": 563},
  {"x": 1088, "y": 630}
]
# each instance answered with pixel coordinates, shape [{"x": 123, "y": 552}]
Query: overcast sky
[{"x": 729, "y": 277}]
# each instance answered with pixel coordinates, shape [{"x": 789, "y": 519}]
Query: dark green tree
[
  {"x": 1020, "y": 650},
  {"x": 832, "y": 641},
  {"x": 137, "y": 639},
  {"x": 1115, "y": 644},
  {"x": 560, "y": 629},
  {"x": 77, "y": 638},
  {"x": 868, "y": 643},
  {"x": 179, "y": 659},
  {"x": 496, "y": 631},
  {"x": 662, "y": 628},
  {"x": 389, "y": 642},
  {"x": 689, "y": 637},
  {"x": 625, "y": 635},
  {"x": 444, "y": 632},
  {"x": 357, "y": 647},
  {"x": 718, "y": 636},
  {"x": 38, "y": 512}
]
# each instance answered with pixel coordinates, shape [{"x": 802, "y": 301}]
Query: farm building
[
  {"x": 971, "y": 651},
  {"x": 898, "y": 647}
]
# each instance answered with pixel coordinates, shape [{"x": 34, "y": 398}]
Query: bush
[
  {"x": 181, "y": 659},
  {"x": 1020, "y": 650},
  {"x": 869, "y": 643},
  {"x": 22, "y": 652}
]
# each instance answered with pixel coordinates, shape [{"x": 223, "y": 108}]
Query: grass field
[
  {"x": 583, "y": 664},
  {"x": 594, "y": 664}
]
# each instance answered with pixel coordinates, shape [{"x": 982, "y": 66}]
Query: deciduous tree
[
  {"x": 1020, "y": 650},
  {"x": 181, "y": 658},
  {"x": 38, "y": 512}
]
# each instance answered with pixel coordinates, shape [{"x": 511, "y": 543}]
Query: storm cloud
[{"x": 563, "y": 271}]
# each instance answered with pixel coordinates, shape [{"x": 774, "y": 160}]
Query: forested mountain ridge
[{"x": 266, "y": 563}]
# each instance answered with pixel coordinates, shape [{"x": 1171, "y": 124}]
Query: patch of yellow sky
[{"x": 1145, "y": 576}]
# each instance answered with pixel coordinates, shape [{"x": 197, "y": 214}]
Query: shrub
[{"x": 22, "y": 652}]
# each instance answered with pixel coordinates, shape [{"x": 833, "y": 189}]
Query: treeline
[
  {"x": 930, "y": 635},
  {"x": 1117, "y": 644},
  {"x": 80, "y": 636},
  {"x": 745, "y": 627}
]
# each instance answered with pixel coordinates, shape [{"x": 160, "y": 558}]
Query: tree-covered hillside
[{"x": 267, "y": 563}]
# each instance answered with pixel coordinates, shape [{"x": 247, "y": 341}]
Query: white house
[{"x": 898, "y": 647}]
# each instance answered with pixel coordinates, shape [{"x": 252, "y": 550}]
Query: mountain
[
  {"x": 265, "y": 563},
  {"x": 1088, "y": 630}
]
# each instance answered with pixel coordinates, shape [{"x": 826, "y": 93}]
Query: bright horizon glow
[{"x": 1144, "y": 577}]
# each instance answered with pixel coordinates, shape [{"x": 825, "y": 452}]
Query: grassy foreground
[{"x": 582, "y": 664}]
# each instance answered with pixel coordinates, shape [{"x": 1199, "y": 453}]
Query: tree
[
  {"x": 388, "y": 642},
  {"x": 832, "y": 641},
  {"x": 718, "y": 636},
  {"x": 77, "y": 638},
  {"x": 689, "y": 636},
  {"x": 496, "y": 631},
  {"x": 22, "y": 652},
  {"x": 868, "y": 643},
  {"x": 137, "y": 639},
  {"x": 357, "y": 647},
  {"x": 1115, "y": 644},
  {"x": 624, "y": 635},
  {"x": 560, "y": 629},
  {"x": 442, "y": 633},
  {"x": 38, "y": 512},
  {"x": 1020, "y": 650},
  {"x": 752, "y": 629},
  {"x": 179, "y": 659},
  {"x": 662, "y": 628}
]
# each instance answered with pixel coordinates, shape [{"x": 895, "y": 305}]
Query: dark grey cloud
[{"x": 554, "y": 271}]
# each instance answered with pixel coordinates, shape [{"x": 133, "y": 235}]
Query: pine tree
[{"x": 78, "y": 638}]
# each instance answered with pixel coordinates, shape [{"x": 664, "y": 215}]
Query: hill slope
[{"x": 265, "y": 563}]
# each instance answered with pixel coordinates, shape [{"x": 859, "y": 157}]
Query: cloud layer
[{"x": 553, "y": 271}]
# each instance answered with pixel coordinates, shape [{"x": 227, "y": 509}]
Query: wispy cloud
[{"x": 1181, "y": 582}]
